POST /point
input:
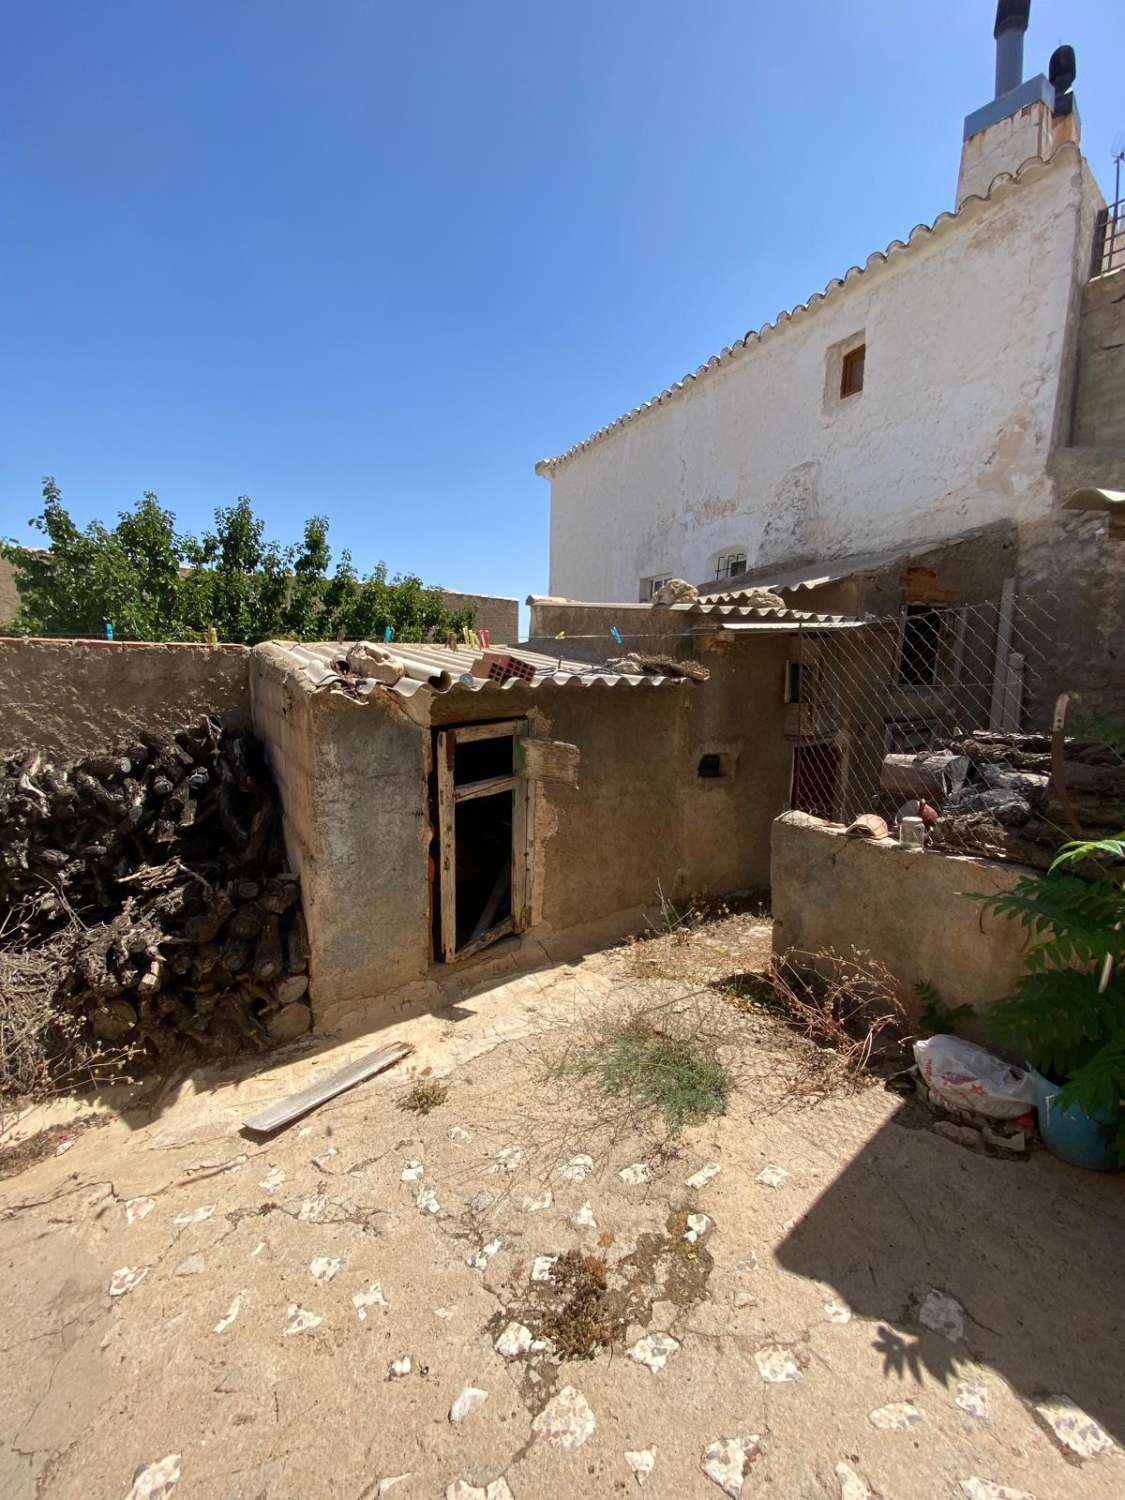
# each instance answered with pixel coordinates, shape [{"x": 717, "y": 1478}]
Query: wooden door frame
[{"x": 449, "y": 794}]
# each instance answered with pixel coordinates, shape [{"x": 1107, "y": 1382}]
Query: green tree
[{"x": 152, "y": 583}]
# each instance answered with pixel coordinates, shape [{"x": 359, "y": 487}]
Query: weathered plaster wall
[
  {"x": 1003, "y": 147},
  {"x": 965, "y": 336},
  {"x": 352, "y": 778},
  {"x": 72, "y": 697},
  {"x": 909, "y": 910},
  {"x": 493, "y": 612},
  {"x": 9, "y": 594}
]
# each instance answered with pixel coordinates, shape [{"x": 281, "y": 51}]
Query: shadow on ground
[{"x": 1032, "y": 1250}]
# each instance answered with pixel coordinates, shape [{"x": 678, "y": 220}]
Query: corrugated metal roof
[
  {"x": 440, "y": 669},
  {"x": 833, "y": 570},
  {"x": 724, "y": 606},
  {"x": 756, "y": 627}
]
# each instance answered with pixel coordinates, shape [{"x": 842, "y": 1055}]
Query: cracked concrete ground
[{"x": 828, "y": 1301}]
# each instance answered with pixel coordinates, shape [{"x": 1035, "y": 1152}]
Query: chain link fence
[{"x": 947, "y": 712}]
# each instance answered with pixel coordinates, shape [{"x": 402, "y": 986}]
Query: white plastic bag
[{"x": 966, "y": 1076}]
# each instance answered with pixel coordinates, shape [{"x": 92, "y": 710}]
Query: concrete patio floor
[{"x": 821, "y": 1301}]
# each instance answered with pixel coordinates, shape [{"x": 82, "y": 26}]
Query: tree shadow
[{"x": 1031, "y": 1249}]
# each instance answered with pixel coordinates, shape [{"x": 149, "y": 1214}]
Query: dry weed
[{"x": 426, "y": 1095}]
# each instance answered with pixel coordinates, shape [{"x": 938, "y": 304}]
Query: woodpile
[
  {"x": 157, "y": 870},
  {"x": 1008, "y": 806}
]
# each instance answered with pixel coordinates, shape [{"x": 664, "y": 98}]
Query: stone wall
[
  {"x": 71, "y": 697},
  {"x": 910, "y": 910},
  {"x": 1099, "y": 401}
]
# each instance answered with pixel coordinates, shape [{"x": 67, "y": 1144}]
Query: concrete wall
[
  {"x": 1099, "y": 402},
  {"x": 909, "y": 910},
  {"x": 492, "y": 612},
  {"x": 72, "y": 697},
  {"x": 965, "y": 335},
  {"x": 352, "y": 779}
]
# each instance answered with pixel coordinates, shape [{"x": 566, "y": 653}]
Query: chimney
[
  {"x": 1011, "y": 22},
  {"x": 1025, "y": 118}
]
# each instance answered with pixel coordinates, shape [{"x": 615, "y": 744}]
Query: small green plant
[
  {"x": 426, "y": 1094},
  {"x": 937, "y": 1018},
  {"x": 1068, "y": 1011},
  {"x": 655, "y": 1066}
]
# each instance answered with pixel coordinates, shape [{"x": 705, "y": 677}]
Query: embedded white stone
[
  {"x": 392, "y": 1480},
  {"x": 897, "y": 1417},
  {"x": 304, "y": 1130},
  {"x": 324, "y": 1267},
  {"x": 541, "y": 1267},
  {"x": 158, "y": 1480},
  {"x": 984, "y": 1489},
  {"x": 654, "y": 1350},
  {"x": 326, "y": 1156},
  {"x": 1076, "y": 1432},
  {"x": 852, "y": 1486},
  {"x": 300, "y": 1320},
  {"x": 138, "y": 1208},
  {"x": 461, "y": 1489},
  {"x": 533, "y": 1205},
  {"x": 399, "y": 1367},
  {"x": 229, "y": 1316},
  {"x": 191, "y": 1265},
  {"x": 371, "y": 1296},
  {"x": 273, "y": 1179},
  {"x": 776, "y": 1364},
  {"x": 701, "y": 1178},
  {"x": 258, "y": 1248},
  {"x": 772, "y": 1176},
  {"x": 467, "y": 1402},
  {"x": 427, "y": 1201},
  {"x": 943, "y": 1314},
  {"x": 196, "y": 1216},
  {"x": 507, "y": 1159},
  {"x": 514, "y": 1341},
  {"x": 577, "y": 1169},
  {"x": 566, "y": 1421},
  {"x": 837, "y": 1312},
  {"x": 972, "y": 1398},
  {"x": 480, "y": 1258},
  {"x": 748, "y": 1263},
  {"x": 636, "y": 1175},
  {"x": 125, "y": 1278},
  {"x": 642, "y": 1462},
  {"x": 698, "y": 1225},
  {"x": 726, "y": 1461},
  {"x": 458, "y": 1135},
  {"x": 412, "y": 1171},
  {"x": 584, "y": 1218}
]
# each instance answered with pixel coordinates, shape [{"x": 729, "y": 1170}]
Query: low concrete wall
[
  {"x": 909, "y": 910},
  {"x": 72, "y": 697},
  {"x": 493, "y": 612}
]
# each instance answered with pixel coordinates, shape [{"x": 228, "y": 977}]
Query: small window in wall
[
  {"x": 730, "y": 564},
  {"x": 792, "y": 682},
  {"x": 851, "y": 372},
  {"x": 921, "y": 642},
  {"x": 649, "y": 586},
  {"x": 711, "y": 768}
]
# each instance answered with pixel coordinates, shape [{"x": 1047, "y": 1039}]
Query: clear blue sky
[{"x": 375, "y": 260}]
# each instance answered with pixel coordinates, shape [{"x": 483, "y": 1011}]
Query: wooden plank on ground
[{"x": 288, "y": 1110}]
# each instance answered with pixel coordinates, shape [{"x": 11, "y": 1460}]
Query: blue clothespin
[
  {"x": 616, "y": 634},
  {"x": 388, "y": 633},
  {"x": 108, "y": 630}
]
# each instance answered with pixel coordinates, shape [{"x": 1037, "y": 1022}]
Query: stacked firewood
[
  {"x": 160, "y": 867},
  {"x": 1008, "y": 804}
]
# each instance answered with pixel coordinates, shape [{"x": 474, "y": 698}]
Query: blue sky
[{"x": 375, "y": 260}]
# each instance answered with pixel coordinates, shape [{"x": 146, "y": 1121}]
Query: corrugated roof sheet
[
  {"x": 832, "y": 570},
  {"x": 438, "y": 669},
  {"x": 921, "y": 234}
]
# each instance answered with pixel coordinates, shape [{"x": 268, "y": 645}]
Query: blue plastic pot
[{"x": 1071, "y": 1134}]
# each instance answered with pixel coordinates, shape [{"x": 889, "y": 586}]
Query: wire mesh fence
[{"x": 946, "y": 713}]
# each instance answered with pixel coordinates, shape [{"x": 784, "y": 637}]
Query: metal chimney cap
[
  {"x": 1012, "y": 15},
  {"x": 1063, "y": 68}
]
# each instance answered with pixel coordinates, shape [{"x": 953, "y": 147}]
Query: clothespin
[
  {"x": 485, "y": 638},
  {"x": 451, "y": 640},
  {"x": 388, "y": 634},
  {"x": 616, "y": 634},
  {"x": 466, "y": 636},
  {"x": 561, "y": 636},
  {"x": 108, "y": 631},
  {"x": 212, "y": 636}
]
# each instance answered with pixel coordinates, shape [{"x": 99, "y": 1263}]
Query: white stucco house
[{"x": 935, "y": 389}]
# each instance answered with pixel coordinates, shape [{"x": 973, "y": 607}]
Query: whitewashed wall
[{"x": 965, "y": 337}]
